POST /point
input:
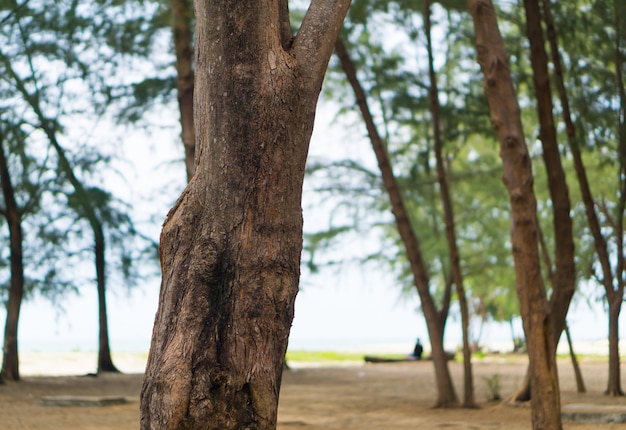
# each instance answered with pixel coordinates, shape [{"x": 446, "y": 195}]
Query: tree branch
[{"x": 314, "y": 43}]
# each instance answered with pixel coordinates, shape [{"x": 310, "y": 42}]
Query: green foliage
[
  {"x": 493, "y": 385},
  {"x": 394, "y": 77},
  {"x": 326, "y": 356},
  {"x": 48, "y": 244},
  {"x": 146, "y": 94},
  {"x": 386, "y": 43},
  {"x": 66, "y": 66}
]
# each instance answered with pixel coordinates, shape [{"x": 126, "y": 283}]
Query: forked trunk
[
  {"x": 446, "y": 394},
  {"x": 230, "y": 247}
]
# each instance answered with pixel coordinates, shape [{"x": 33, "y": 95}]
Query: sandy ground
[{"x": 363, "y": 397}]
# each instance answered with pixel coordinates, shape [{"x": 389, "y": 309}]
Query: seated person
[{"x": 418, "y": 350}]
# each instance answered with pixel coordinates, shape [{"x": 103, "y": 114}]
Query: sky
[{"x": 355, "y": 308}]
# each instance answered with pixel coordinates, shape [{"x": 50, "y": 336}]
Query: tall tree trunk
[
  {"x": 614, "y": 385},
  {"x": 47, "y": 126},
  {"x": 613, "y": 293},
  {"x": 230, "y": 247},
  {"x": 181, "y": 11},
  {"x": 455, "y": 259},
  {"x": 615, "y": 302},
  {"x": 580, "y": 383},
  {"x": 565, "y": 270},
  {"x": 435, "y": 321},
  {"x": 518, "y": 178},
  {"x": 105, "y": 362},
  {"x": 563, "y": 276},
  {"x": 10, "y": 363}
]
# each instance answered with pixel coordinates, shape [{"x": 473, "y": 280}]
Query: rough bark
[
  {"x": 518, "y": 178},
  {"x": 10, "y": 363},
  {"x": 181, "y": 11},
  {"x": 230, "y": 247},
  {"x": 455, "y": 259},
  {"x": 435, "y": 322}
]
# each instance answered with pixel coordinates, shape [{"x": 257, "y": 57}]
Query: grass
[
  {"x": 320, "y": 356},
  {"x": 330, "y": 356}
]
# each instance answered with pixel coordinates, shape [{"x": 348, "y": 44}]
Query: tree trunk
[
  {"x": 10, "y": 363},
  {"x": 563, "y": 275},
  {"x": 616, "y": 298},
  {"x": 592, "y": 217},
  {"x": 455, "y": 259},
  {"x": 183, "y": 47},
  {"x": 518, "y": 178},
  {"x": 435, "y": 322},
  {"x": 105, "y": 362},
  {"x": 580, "y": 384},
  {"x": 47, "y": 126},
  {"x": 564, "y": 283},
  {"x": 614, "y": 386},
  {"x": 230, "y": 247}
]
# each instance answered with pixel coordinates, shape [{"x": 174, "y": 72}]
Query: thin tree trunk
[
  {"x": 615, "y": 303},
  {"x": 434, "y": 321},
  {"x": 518, "y": 178},
  {"x": 231, "y": 246},
  {"x": 564, "y": 283},
  {"x": 104, "y": 356},
  {"x": 523, "y": 393},
  {"x": 614, "y": 387},
  {"x": 105, "y": 362},
  {"x": 607, "y": 279},
  {"x": 10, "y": 364},
  {"x": 580, "y": 383},
  {"x": 181, "y": 11},
  {"x": 455, "y": 264},
  {"x": 513, "y": 334},
  {"x": 563, "y": 275}
]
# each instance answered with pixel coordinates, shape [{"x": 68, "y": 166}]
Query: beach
[{"x": 314, "y": 396}]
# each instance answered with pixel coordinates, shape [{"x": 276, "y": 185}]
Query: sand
[{"x": 351, "y": 396}]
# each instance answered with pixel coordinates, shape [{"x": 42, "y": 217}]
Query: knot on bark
[
  {"x": 218, "y": 378},
  {"x": 205, "y": 260},
  {"x": 511, "y": 141}
]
